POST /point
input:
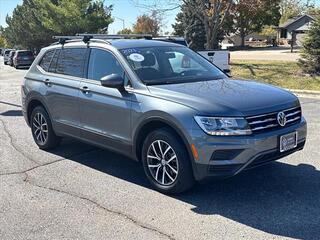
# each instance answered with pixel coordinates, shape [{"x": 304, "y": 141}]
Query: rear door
[
  {"x": 105, "y": 112},
  {"x": 65, "y": 73}
]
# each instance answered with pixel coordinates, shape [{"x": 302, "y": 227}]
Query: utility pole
[{"x": 121, "y": 19}]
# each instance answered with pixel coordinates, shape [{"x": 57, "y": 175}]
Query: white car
[
  {"x": 6, "y": 55},
  {"x": 220, "y": 58}
]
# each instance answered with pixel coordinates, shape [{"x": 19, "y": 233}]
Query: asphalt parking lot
[{"x": 81, "y": 192}]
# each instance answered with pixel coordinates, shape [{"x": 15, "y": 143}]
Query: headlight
[{"x": 223, "y": 126}]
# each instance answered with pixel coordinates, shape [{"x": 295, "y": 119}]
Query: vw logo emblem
[{"x": 282, "y": 119}]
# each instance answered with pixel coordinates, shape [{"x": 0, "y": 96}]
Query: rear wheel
[
  {"x": 166, "y": 162},
  {"x": 42, "y": 130}
]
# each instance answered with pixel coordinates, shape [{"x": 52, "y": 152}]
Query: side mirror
[
  {"x": 113, "y": 81},
  {"x": 227, "y": 72}
]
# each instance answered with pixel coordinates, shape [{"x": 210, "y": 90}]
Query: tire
[
  {"x": 182, "y": 178},
  {"x": 42, "y": 131},
  {"x": 5, "y": 63}
]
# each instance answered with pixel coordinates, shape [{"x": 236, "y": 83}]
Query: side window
[
  {"x": 46, "y": 59},
  {"x": 103, "y": 63},
  {"x": 54, "y": 61},
  {"x": 71, "y": 61}
]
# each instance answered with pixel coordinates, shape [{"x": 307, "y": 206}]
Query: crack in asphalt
[
  {"x": 121, "y": 214},
  {"x": 12, "y": 144},
  {"x": 48, "y": 163},
  {"x": 97, "y": 204}
]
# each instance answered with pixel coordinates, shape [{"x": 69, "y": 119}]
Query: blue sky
[{"x": 124, "y": 9}]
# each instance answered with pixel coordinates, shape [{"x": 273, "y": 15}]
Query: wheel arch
[
  {"x": 32, "y": 104},
  {"x": 152, "y": 124}
]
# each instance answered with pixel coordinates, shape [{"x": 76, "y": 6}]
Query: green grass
[{"x": 279, "y": 73}]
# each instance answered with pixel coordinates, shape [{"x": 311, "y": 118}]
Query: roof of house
[{"x": 293, "y": 20}]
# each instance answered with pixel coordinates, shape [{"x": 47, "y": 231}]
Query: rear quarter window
[{"x": 46, "y": 60}]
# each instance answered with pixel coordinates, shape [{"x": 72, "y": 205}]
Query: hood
[{"x": 227, "y": 97}]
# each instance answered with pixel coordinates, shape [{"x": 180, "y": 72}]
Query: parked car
[
  {"x": 23, "y": 58},
  {"x": 6, "y": 56},
  {"x": 162, "y": 104},
  {"x": 10, "y": 59}
]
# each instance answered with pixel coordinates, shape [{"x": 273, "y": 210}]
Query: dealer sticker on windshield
[{"x": 136, "y": 57}]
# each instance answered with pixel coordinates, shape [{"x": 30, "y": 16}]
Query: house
[{"x": 294, "y": 29}]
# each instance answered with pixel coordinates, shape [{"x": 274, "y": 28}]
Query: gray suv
[{"x": 161, "y": 104}]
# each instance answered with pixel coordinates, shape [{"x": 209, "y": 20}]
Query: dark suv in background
[
  {"x": 23, "y": 58},
  {"x": 159, "y": 103}
]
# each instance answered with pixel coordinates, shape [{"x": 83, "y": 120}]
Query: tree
[
  {"x": 33, "y": 23},
  {"x": 146, "y": 25},
  {"x": 3, "y": 42},
  {"x": 310, "y": 62},
  {"x": 69, "y": 17},
  {"x": 211, "y": 13},
  {"x": 125, "y": 31},
  {"x": 190, "y": 27},
  {"x": 251, "y": 15},
  {"x": 294, "y": 8}
]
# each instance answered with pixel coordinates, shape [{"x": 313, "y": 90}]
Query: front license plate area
[{"x": 288, "y": 141}]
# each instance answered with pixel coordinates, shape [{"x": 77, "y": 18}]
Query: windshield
[{"x": 164, "y": 65}]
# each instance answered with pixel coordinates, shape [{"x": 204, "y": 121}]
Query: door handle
[
  {"x": 47, "y": 82},
  {"x": 85, "y": 89}
]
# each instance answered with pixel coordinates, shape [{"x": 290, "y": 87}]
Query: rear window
[
  {"x": 25, "y": 54},
  {"x": 46, "y": 60},
  {"x": 71, "y": 61},
  {"x": 7, "y": 52}
]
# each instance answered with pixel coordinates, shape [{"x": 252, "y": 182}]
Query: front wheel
[
  {"x": 166, "y": 162},
  {"x": 42, "y": 130}
]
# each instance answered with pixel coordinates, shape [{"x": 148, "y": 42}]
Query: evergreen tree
[
  {"x": 190, "y": 27},
  {"x": 33, "y": 23},
  {"x": 310, "y": 62}
]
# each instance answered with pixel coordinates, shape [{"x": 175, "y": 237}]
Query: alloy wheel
[
  {"x": 40, "y": 128},
  {"x": 162, "y": 162}
]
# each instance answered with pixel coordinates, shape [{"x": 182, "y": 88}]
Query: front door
[{"x": 105, "y": 112}]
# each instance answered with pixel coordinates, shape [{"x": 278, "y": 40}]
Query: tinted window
[
  {"x": 25, "y": 53},
  {"x": 46, "y": 59},
  {"x": 103, "y": 63},
  {"x": 71, "y": 61},
  {"x": 53, "y": 64}
]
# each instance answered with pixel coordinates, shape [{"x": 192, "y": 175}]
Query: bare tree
[{"x": 212, "y": 13}]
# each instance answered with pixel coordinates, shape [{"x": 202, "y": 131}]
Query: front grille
[{"x": 269, "y": 121}]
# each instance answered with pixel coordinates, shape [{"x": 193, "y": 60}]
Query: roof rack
[
  {"x": 86, "y": 39},
  {"x": 116, "y": 36}
]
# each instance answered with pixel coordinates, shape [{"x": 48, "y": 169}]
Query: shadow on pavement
[
  {"x": 12, "y": 113},
  {"x": 278, "y": 198}
]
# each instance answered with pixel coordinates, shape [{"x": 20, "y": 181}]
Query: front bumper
[{"x": 221, "y": 156}]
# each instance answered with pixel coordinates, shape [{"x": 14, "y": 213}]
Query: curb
[{"x": 305, "y": 93}]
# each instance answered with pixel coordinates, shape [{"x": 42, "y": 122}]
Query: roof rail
[
  {"x": 85, "y": 38},
  {"x": 116, "y": 36}
]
